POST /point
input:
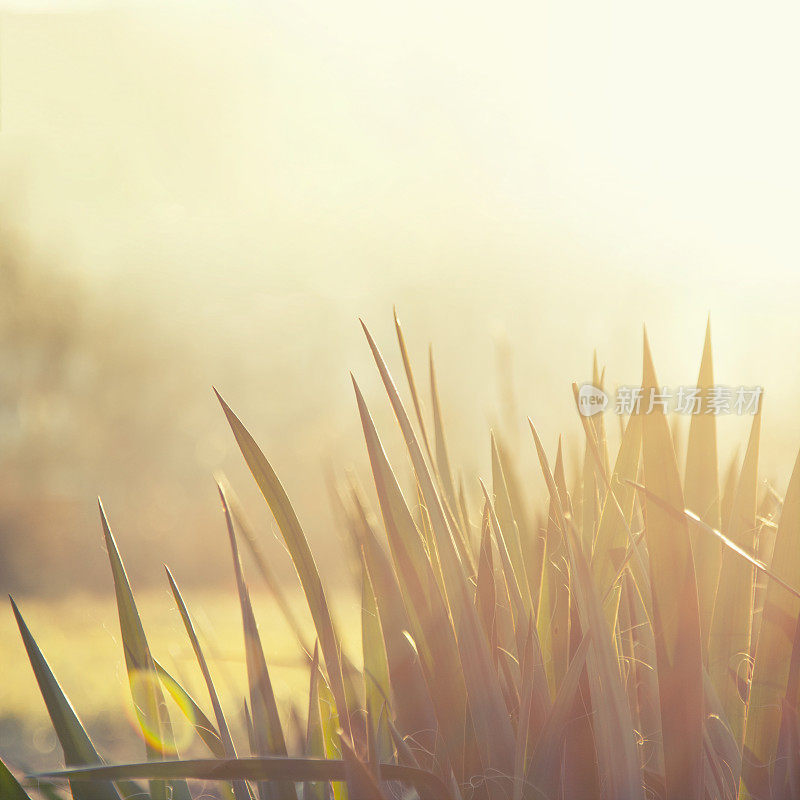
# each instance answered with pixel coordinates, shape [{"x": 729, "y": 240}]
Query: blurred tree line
[{"x": 87, "y": 389}]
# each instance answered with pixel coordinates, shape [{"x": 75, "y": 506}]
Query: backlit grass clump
[{"x": 636, "y": 637}]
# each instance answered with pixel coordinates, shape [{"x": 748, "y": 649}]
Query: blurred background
[{"x": 211, "y": 193}]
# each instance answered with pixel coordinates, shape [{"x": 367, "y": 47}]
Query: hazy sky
[{"x": 555, "y": 173}]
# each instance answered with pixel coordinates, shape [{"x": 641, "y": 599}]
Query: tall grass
[{"x": 636, "y": 637}]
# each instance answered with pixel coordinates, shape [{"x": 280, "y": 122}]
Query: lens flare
[{"x": 158, "y": 730}]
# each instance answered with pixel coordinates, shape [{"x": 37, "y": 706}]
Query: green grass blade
[
  {"x": 267, "y": 728},
  {"x": 274, "y": 586},
  {"x": 10, "y": 788},
  {"x": 225, "y": 739},
  {"x": 148, "y": 699},
  {"x": 377, "y": 686},
  {"x": 297, "y": 544},
  {"x": 189, "y": 707},
  {"x": 315, "y": 736},
  {"x": 275, "y": 768},
  {"x": 75, "y": 742}
]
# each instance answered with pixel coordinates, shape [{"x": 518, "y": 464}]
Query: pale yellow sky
[{"x": 558, "y": 172}]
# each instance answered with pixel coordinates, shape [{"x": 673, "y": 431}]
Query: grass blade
[
  {"x": 300, "y": 552},
  {"x": 773, "y": 654},
  {"x": 676, "y": 616},
  {"x": 10, "y": 788},
  {"x": 493, "y": 733},
  {"x": 618, "y": 760},
  {"x": 148, "y": 699},
  {"x": 252, "y": 769},
  {"x": 75, "y": 742},
  {"x": 267, "y": 729},
  {"x": 729, "y": 642},
  {"x": 226, "y": 741},
  {"x": 428, "y": 617},
  {"x": 702, "y": 491},
  {"x": 377, "y": 686}
]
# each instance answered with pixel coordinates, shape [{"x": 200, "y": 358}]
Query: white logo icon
[{"x": 591, "y": 400}]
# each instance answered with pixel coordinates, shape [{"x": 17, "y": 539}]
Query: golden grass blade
[
  {"x": 509, "y": 526},
  {"x": 773, "y": 654},
  {"x": 618, "y": 760},
  {"x": 694, "y": 520},
  {"x": 729, "y": 641},
  {"x": 729, "y": 491},
  {"x": 493, "y": 733},
  {"x": 297, "y": 544},
  {"x": 412, "y": 385},
  {"x": 442, "y": 457},
  {"x": 148, "y": 699},
  {"x": 612, "y": 536},
  {"x": 544, "y": 773},
  {"x": 645, "y": 676},
  {"x": 535, "y": 706},
  {"x": 531, "y": 542},
  {"x": 676, "y": 616},
  {"x": 786, "y": 776},
  {"x": 485, "y": 589},
  {"x": 554, "y": 617},
  {"x": 429, "y": 620},
  {"x": 701, "y": 491},
  {"x": 723, "y": 753},
  {"x": 520, "y": 609},
  {"x": 361, "y": 783}
]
